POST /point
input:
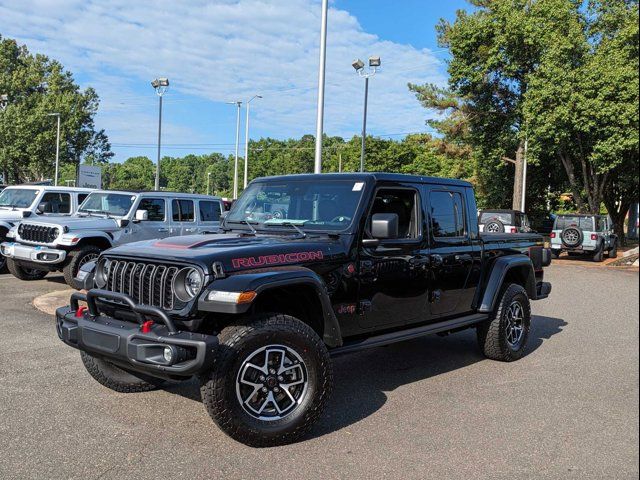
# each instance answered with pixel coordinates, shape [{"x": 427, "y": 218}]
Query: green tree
[{"x": 37, "y": 86}]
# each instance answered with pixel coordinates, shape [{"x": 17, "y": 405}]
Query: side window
[
  {"x": 403, "y": 202},
  {"x": 155, "y": 208},
  {"x": 57, "y": 202},
  {"x": 182, "y": 210},
  {"x": 209, "y": 211},
  {"x": 81, "y": 197},
  {"x": 447, "y": 214}
]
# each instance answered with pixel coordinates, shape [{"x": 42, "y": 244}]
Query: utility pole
[
  {"x": 55, "y": 178},
  {"x": 321, "y": 76},
  {"x": 235, "y": 165},
  {"x": 246, "y": 142},
  {"x": 339, "y": 162},
  {"x": 160, "y": 85}
]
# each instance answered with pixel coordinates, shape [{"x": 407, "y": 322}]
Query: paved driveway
[{"x": 428, "y": 408}]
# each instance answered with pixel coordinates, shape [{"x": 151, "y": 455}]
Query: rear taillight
[
  {"x": 514, "y": 230},
  {"x": 594, "y": 236},
  {"x": 553, "y": 235}
]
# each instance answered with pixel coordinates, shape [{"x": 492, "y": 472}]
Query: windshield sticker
[
  {"x": 280, "y": 259},
  {"x": 357, "y": 186}
]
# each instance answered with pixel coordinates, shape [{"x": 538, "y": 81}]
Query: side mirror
[
  {"x": 142, "y": 215},
  {"x": 44, "y": 207},
  {"x": 384, "y": 226}
]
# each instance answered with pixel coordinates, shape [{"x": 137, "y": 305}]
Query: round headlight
[
  {"x": 187, "y": 284},
  {"x": 102, "y": 273}
]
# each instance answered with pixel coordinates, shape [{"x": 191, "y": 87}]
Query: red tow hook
[
  {"x": 80, "y": 311},
  {"x": 146, "y": 326}
]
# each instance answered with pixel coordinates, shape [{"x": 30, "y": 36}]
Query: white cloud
[{"x": 224, "y": 50}]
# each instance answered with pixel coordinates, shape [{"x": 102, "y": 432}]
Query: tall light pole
[
  {"x": 358, "y": 65},
  {"x": 160, "y": 85},
  {"x": 246, "y": 142},
  {"x": 55, "y": 178},
  {"x": 317, "y": 168},
  {"x": 4, "y": 102},
  {"x": 208, "y": 182},
  {"x": 238, "y": 103}
]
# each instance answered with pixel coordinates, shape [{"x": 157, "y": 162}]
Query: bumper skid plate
[{"x": 128, "y": 344}]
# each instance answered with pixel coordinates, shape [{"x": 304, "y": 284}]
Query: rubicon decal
[{"x": 278, "y": 259}]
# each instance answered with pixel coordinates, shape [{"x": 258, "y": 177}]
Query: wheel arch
[
  {"x": 297, "y": 291},
  {"x": 98, "y": 241},
  {"x": 516, "y": 269}
]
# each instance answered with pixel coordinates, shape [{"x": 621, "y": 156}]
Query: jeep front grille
[
  {"x": 38, "y": 233},
  {"x": 146, "y": 283}
]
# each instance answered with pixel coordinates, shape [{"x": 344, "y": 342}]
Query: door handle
[
  {"x": 163, "y": 229},
  {"x": 464, "y": 258},
  {"x": 190, "y": 230}
]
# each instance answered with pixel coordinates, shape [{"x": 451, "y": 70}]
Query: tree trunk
[
  {"x": 618, "y": 209},
  {"x": 517, "y": 180}
]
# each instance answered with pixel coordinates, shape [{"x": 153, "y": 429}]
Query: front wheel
[
  {"x": 22, "y": 273},
  {"x": 77, "y": 259},
  {"x": 270, "y": 380},
  {"x": 117, "y": 379},
  {"x": 504, "y": 336},
  {"x": 613, "y": 253}
]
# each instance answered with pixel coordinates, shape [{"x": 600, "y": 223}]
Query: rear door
[
  {"x": 454, "y": 251},
  {"x": 183, "y": 221},
  {"x": 209, "y": 215}
]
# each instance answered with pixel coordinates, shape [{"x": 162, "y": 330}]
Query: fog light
[{"x": 168, "y": 354}]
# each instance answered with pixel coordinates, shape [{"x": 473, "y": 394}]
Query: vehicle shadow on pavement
[{"x": 361, "y": 379}]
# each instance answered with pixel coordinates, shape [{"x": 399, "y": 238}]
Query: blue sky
[{"x": 223, "y": 50}]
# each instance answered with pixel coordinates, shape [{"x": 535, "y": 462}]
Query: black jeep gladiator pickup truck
[{"x": 256, "y": 312}]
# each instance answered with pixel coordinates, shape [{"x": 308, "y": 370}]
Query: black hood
[{"x": 236, "y": 251}]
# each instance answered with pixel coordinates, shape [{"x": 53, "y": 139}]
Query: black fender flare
[
  {"x": 261, "y": 281},
  {"x": 499, "y": 270}
]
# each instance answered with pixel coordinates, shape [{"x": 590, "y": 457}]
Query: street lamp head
[
  {"x": 358, "y": 65},
  {"x": 54, "y": 114},
  {"x": 160, "y": 85},
  {"x": 374, "y": 61}
]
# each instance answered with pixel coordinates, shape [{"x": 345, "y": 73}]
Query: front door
[
  {"x": 452, "y": 254},
  {"x": 393, "y": 285},
  {"x": 157, "y": 223}
]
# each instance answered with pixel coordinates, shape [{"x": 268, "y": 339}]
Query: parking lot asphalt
[{"x": 428, "y": 408}]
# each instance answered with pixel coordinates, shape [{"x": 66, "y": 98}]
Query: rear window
[
  {"x": 502, "y": 217},
  {"x": 209, "y": 211},
  {"x": 182, "y": 211},
  {"x": 585, "y": 223}
]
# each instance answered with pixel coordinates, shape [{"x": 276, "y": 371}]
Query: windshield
[
  {"x": 17, "y": 197},
  {"x": 585, "y": 223},
  {"x": 114, "y": 204},
  {"x": 319, "y": 205}
]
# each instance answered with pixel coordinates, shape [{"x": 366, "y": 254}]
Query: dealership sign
[{"x": 89, "y": 176}]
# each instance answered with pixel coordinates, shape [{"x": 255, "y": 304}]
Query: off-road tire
[
  {"x": 598, "y": 256},
  {"x": 492, "y": 337},
  {"x": 3, "y": 259},
  {"x": 76, "y": 259},
  {"x": 117, "y": 379},
  {"x": 613, "y": 252},
  {"x": 26, "y": 274},
  {"x": 237, "y": 343},
  {"x": 579, "y": 234},
  {"x": 497, "y": 226},
  {"x": 555, "y": 253}
]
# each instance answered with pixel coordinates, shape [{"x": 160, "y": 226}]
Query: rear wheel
[
  {"x": 613, "y": 253},
  {"x": 270, "y": 381},
  {"x": 23, "y": 273},
  {"x": 77, "y": 259},
  {"x": 494, "y": 227},
  {"x": 504, "y": 336},
  {"x": 117, "y": 379},
  {"x": 599, "y": 255}
]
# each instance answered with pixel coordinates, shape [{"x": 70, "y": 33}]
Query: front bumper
[
  {"x": 35, "y": 254},
  {"x": 128, "y": 344}
]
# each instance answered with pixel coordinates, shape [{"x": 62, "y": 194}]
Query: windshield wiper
[
  {"x": 288, "y": 224},
  {"x": 246, "y": 222}
]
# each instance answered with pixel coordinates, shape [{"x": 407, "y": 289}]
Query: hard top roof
[
  {"x": 376, "y": 176},
  {"x": 161, "y": 193},
  {"x": 51, "y": 188}
]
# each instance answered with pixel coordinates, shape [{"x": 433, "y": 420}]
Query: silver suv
[
  {"x": 36, "y": 201},
  {"x": 105, "y": 219},
  {"x": 584, "y": 234}
]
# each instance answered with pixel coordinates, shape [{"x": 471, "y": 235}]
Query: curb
[{"x": 49, "y": 302}]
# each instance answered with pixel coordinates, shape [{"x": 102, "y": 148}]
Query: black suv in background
[{"x": 256, "y": 312}]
